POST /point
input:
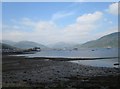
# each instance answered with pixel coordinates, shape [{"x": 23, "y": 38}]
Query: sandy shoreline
[{"x": 49, "y": 74}]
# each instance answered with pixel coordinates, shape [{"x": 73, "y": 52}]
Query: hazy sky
[
  {"x": 60, "y": 0},
  {"x": 51, "y": 22}
]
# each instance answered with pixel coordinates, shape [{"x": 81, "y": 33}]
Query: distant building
[{"x": 36, "y": 49}]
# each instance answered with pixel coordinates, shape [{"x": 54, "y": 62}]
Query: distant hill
[
  {"x": 6, "y": 46},
  {"x": 8, "y": 42},
  {"x": 61, "y": 45},
  {"x": 28, "y": 44},
  {"x": 110, "y": 40}
]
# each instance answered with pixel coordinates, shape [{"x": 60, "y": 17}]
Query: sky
[
  {"x": 60, "y": 0},
  {"x": 52, "y": 22}
]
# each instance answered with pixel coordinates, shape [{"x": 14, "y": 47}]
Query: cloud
[
  {"x": 85, "y": 24},
  {"x": 60, "y": 15},
  {"x": 49, "y": 32},
  {"x": 45, "y": 25},
  {"x": 107, "y": 21},
  {"x": 90, "y": 18},
  {"x": 27, "y": 22},
  {"x": 113, "y": 8}
]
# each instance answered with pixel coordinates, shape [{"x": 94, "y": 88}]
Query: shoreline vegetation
[{"x": 53, "y": 74}]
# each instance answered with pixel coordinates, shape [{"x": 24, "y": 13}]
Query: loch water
[{"x": 83, "y": 53}]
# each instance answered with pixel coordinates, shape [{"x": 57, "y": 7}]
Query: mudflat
[{"x": 25, "y": 73}]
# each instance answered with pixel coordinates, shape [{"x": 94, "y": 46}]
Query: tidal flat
[{"x": 24, "y": 73}]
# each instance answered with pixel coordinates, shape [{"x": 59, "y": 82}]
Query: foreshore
[
  {"x": 69, "y": 59},
  {"x": 52, "y": 74}
]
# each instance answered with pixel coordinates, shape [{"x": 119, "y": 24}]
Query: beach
[{"x": 51, "y": 74}]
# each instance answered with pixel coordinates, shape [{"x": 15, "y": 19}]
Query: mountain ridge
[
  {"x": 110, "y": 40},
  {"x": 23, "y": 44}
]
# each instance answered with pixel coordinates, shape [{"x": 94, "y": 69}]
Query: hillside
[
  {"x": 28, "y": 44},
  {"x": 110, "y": 40},
  {"x": 62, "y": 45},
  {"x": 6, "y": 46},
  {"x": 8, "y": 42}
]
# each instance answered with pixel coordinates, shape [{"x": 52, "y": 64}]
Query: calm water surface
[{"x": 83, "y": 53}]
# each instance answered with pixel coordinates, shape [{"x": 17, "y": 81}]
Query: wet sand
[{"x": 51, "y": 74}]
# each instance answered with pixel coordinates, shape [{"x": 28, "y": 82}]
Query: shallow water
[
  {"x": 83, "y": 53},
  {"x": 99, "y": 62}
]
